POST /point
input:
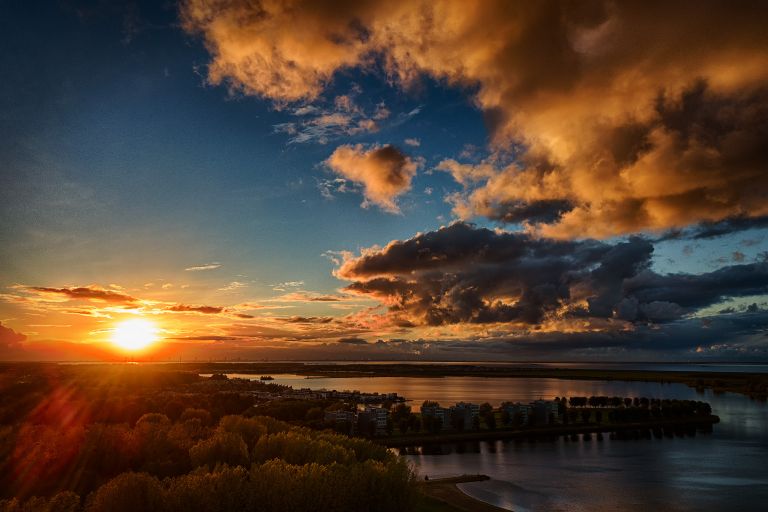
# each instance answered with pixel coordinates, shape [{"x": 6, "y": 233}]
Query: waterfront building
[
  {"x": 521, "y": 412},
  {"x": 462, "y": 415},
  {"x": 433, "y": 410},
  {"x": 546, "y": 411}
]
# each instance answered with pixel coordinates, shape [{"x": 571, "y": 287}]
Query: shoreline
[
  {"x": 447, "y": 494},
  {"x": 558, "y": 430},
  {"x": 752, "y": 384}
]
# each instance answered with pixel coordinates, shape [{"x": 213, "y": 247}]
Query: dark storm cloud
[
  {"x": 693, "y": 292},
  {"x": 462, "y": 274}
]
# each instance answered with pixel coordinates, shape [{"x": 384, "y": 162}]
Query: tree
[
  {"x": 400, "y": 412},
  {"x": 129, "y": 492},
  {"x": 221, "y": 448},
  {"x": 490, "y": 421}
]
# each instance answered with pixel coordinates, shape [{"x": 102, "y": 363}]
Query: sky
[{"x": 428, "y": 180}]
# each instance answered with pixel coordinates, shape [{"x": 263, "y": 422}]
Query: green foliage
[
  {"x": 299, "y": 448},
  {"x": 200, "y": 414},
  {"x": 249, "y": 429},
  {"x": 129, "y": 492},
  {"x": 221, "y": 448},
  {"x": 222, "y": 490},
  {"x": 153, "y": 418}
]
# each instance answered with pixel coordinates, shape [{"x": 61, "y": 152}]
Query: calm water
[{"x": 724, "y": 470}]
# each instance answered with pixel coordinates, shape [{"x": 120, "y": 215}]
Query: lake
[{"x": 723, "y": 470}]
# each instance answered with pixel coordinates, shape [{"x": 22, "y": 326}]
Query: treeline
[
  {"x": 114, "y": 394},
  {"x": 659, "y": 407},
  {"x": 239, "y": 464}
]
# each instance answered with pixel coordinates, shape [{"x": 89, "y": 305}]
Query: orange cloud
[
  {"x": 384, "y": 172},
  {"x": 184, "y": 308},
  {"x": 85, "y": 293},
  {"x": 625, "y": 116}
]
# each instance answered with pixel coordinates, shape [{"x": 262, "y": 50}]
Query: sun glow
[{"x": 134, "y": 334}]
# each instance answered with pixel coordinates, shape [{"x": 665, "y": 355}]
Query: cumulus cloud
[
  {"x": 383, "y": 171},
  {"x": 663, "y": 104},
  {"x": 462, "y": 274}
]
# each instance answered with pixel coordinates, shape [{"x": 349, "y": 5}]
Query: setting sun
[{"x": 134, "y": 334}]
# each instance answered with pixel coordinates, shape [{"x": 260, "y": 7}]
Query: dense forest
[{"x": 134, "y": 439}]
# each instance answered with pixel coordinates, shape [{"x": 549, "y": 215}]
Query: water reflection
[
  {"x": 665, "y": 469},
  {"x": 723, "y": 469}
]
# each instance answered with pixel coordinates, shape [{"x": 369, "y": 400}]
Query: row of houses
[
  {"x": 463, "y": 414},
  {"x": 374, "y": 418},
  {"x": 459, "y": 416},
  {"x": 356, "y": 397},
  {"x": 542, "y": 412}
]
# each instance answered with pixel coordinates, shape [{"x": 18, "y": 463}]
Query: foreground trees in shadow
[{"x": 258, "y": 464}]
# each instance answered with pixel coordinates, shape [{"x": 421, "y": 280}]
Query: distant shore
[
  {"x": 445, "y": 494},
  {"x": 754, "y": 385}
]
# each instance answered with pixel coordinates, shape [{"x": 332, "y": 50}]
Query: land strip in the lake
[
  {"x": 443, "y": 495},
  {"x": 754, "y": 385},
  {"x": 544, "y": 431}
]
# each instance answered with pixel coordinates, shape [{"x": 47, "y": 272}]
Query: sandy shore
[{"x": 446, "y": 493}]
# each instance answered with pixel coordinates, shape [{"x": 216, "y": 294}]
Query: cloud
[
  {"x": 707, "y": 230},
  {"x": 413, "y": 142},
  {"x": 311, "y": 297},
  {"x": 205, "y": 266},
  {"x": 352, "y": 341},
  {"x": 664, "y": 105},
  {"x": 384, "y": 172},
  {"x": 323, "y": 123},
  {"x": 307, "y": 319},
  {"x": 281, "y": 287},
  {"x": 461, "y": 274},
  {"x": 234, "y": 285},
  {"x": 9, "y": 338},
  {"x": 186, "y": 308},
  {"x": 92, "y": 293}
]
